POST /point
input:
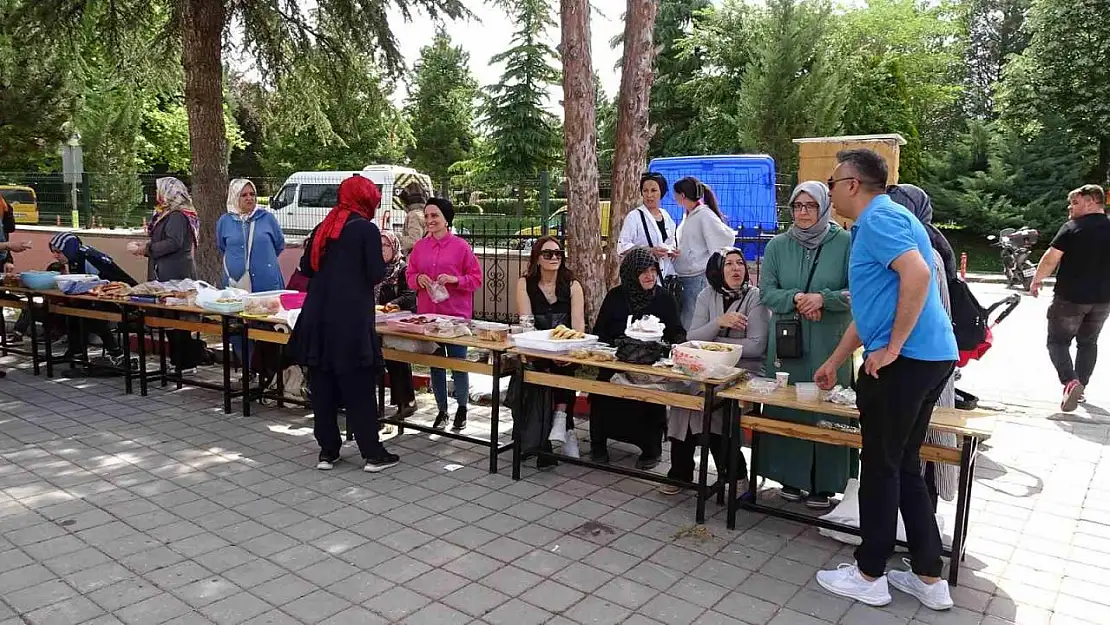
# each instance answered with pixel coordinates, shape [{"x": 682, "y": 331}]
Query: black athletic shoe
[
  {"x": 381, "y": 462},
  {"x": 441, "y": 421},
  {"x": 326, "y": 462},
  {"x": 460, "y": 420}
]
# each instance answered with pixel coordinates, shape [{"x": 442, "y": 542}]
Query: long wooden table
[
  {"x": 497, "y": 367},
  {"x": 710, "y": 401},
  {"x": 971, "y": 427},
  {"x": 128, "y": 313}
]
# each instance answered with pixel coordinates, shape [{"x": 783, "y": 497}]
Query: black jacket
[
  {"x": 612, "y": 318},
  {"x": 335, "y": 330},
  {"x": 398, "y": 292}
]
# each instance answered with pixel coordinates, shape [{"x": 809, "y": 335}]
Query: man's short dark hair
[
  {"x": 1090, "y": 191},
  {"x": 871, "y": 167}
]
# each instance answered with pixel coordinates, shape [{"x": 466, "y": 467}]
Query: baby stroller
[{"x": 972, "y": 325}]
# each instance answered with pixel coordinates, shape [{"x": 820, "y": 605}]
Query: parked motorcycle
[{"x": 1015, "y": 246}]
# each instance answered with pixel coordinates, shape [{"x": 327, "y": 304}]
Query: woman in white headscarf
[
  {"x": 250, "y": 240},
  {"x": 803, "y": 280}
]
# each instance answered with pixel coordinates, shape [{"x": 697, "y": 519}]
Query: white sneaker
[
  {"x": 933, "y": 596},
  {"x": 558, "y": 428},
  {"x": 847, "y": 581},
  {"x": 570, "y": 446}
]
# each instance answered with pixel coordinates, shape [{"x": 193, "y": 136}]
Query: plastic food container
[
  {"x": 264, "y": 303},
  {"x": 708, "y": 353},
  {"x": 414, "y": 324},
  {"x": 762, "y": 386},
  {"x": 540, "y": 340},
  {"x": 292, "y": 301},
  {"x": 490, "y": 331},
  {"x": 807, "y": 391},
  {"x": 39, "y": 280},
  {"x": 74, "y": 278}
]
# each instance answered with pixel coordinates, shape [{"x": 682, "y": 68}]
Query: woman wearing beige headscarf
[{"x": 174, "y": 231}]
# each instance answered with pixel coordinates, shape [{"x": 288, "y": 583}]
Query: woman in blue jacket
[{"x": 248, "y": 230}]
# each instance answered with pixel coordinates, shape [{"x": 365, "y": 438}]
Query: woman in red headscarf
[{"x": 334, "y": 336}]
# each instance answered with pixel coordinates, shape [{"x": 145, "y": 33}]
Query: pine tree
[
  {"x": 789, "y": 88},
  {"x": 440, "y": 109},
  {"x": 524, "y": 137}
]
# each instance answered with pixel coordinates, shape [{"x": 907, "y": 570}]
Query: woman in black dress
[
  {"x": 334, "y": 336},
  {"x": 394, "y": 291},
  {"x": 635, "y": 422},
  {"x": 550, "y": 294}
]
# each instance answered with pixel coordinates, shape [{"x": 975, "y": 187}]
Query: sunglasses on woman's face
[{"x": 551, "y": 254}]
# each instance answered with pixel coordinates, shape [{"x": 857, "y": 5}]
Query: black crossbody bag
[
  {"x": 788, "y": 331},
  {"x": 671, "y": 284}
]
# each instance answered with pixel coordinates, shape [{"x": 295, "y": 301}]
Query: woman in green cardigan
[{"x": 813, "y": 471}]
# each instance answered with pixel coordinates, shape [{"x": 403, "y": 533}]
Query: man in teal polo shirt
[{"x": 909, "y": 352}]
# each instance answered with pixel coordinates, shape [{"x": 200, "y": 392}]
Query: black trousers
[
  {"x": 355, "y": 391},
  {"x": 1081, "y": 323},
  {"x": 895, "y": 409},
  {"x": 99, "y": 327},
  {"x": 401, "y": 391},
  {"x": 682, "y": 456}
]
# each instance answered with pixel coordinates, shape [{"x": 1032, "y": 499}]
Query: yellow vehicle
[
  {"x": 23, "y": 202},
  {"x": 557, "y": 221}
]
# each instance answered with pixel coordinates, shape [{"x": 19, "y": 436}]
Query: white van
[{"x": 307, "y": 196}]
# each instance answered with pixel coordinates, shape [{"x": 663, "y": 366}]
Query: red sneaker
[{"x": 1072, "y": 392}]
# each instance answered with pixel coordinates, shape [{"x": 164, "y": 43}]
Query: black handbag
[
  {"x": 671, "y": 284},
  {"x": 788, "y": 330},
  {"x": 637, "y": 352}
]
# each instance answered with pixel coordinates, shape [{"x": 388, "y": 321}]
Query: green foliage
[
  {"x": 440, "y": 109},
  {"x": 332, "y": 111},
  {"x": 35, "y": 101},
  {"x": 995, "y": 31},
  {"x": 1060, "y": 82},
  {"x": 677, "y": 66},
  {"x": 606, "y": 127},
  {"x": 789, "y": 88},
  {"x": 523, "y": 137}
]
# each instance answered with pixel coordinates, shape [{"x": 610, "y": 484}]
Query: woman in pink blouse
[{"x": 443, "y": 259}]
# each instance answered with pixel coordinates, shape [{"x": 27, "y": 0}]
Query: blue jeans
[
  {"x": 691, "y": 287},
  {"x": 460, "y": 378}
]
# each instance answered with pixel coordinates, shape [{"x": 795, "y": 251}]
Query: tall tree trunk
[
  {"x": 580, "y": 147},
  {"x": 632, "y": 134},
  {"x": 202, "y": 39}
]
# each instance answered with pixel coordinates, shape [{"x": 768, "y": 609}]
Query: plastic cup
[{"x": 783, "y": 378}]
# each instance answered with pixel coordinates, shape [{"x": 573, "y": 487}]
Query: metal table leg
[
  {"x": 140, "y": 318},
  {"x": 495, "y": 409},
  {"x": 225, "y": 338},
  {"x": 963, "y": 500},
  {"x": 518, "y": 456},
  {"x": 46, "y": 332},
  {"x": 703, "y": 471},
  {"x": 34, "y": 335},
  {"x": 246, "y": 384},
  {"x": 128, "y": 374}
]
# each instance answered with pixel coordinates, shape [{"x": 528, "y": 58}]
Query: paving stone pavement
[{"x": 124, "y": 509}]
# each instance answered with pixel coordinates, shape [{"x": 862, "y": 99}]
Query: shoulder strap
[
  {"x": 813, "y": 268},
  {"x": 647, "y": 233}
]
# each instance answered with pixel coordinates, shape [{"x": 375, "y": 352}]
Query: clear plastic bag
[{"x": 437, "y": 292}]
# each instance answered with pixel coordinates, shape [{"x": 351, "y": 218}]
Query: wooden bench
[
  {"x": 704, "y": 404},
  {"x": 970, "y": 427}
]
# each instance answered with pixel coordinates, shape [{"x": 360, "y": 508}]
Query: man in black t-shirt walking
[{"x": 1081, "y": 300}]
